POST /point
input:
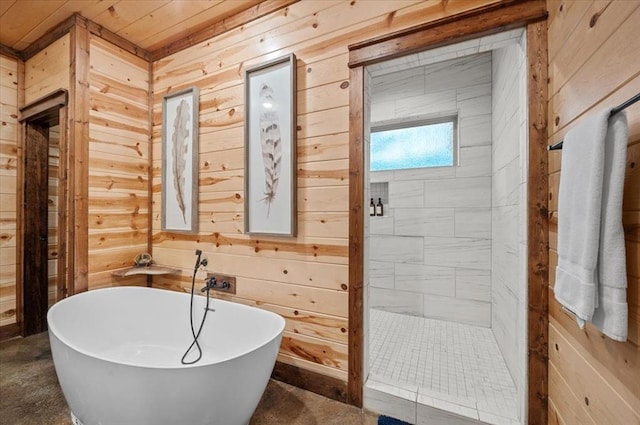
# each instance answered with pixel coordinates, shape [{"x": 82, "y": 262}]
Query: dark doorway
[
  {"x": 43, "y": 201},
  {"x": 36, "y": 199}
]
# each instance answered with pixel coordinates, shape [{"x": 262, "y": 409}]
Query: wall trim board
[
  {"x": 150, "y": 170},
  {"x": 37, "y": 109},
  {"x": 217, "y": 28},
  {"x": 327, "y": 386},
  {"x": 9, "y": 52},
  {"x": 113, "y": 38},
  {"x": 453, "y": 29},
  {"x": 538, "y": 225},
  {"x": 76, "y": 20},
  {"x": 356, "y": 235},
  {"x": 9, "y": 331},
  {"x": 20, "y": 174},
  {"x": 49, "y": 37},
  {"x": 486, "y": 20},
  {"x": 78, "y": 151}
]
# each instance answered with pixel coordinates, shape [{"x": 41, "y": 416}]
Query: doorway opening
[{"x": 43, "y": 241}]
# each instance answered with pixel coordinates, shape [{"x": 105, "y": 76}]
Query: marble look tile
[
  {"x": 459, "y": 72},
  {"x": 382, "y": 110},
  {"x": 428, "y": 396},
  {"x": 424, "y": 221},
  {"x": 382, "y": 225},
  {"x": 473, "y": 284},
  {"x": 506, "y": 145},
  {"x": 473, "y": 101},
  {"x": 456, "y": 409},
  {"x": 426, "y": 104},
  {"x": 381, "y": 176},
  {"x": 467, "y": 253},
  {"x": 381, "y": 274},
  {"x": 425, "y": 279},
  {"x": 461, "y": 192},
  {"x": 496, "y": 420},
  {"x": 398, "y": 85},
  {"x": 506, "y": 188},
  {"x": 395, "y": 301},
  {"x": 473, "y": 222},
  {"x": 428, "y": 415},
  {"x": 475, "y": 131},
  {"x": 474, "y": 161},
  {"x": 406, "y": 194},
  {"x": 476, "y": 313},
  {"x": 430, "y": 173},
  {"x": 401, "y": 249},
  {"x": 387, "y": 404}
]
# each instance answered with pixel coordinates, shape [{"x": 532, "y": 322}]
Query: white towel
[{"x": 591, "y": 272}]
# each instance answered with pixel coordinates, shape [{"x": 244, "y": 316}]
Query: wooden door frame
[
  {"x": 46, "y": 110},
  {"x": 486, "y": 20}
]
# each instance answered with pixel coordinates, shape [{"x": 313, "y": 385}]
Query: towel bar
[{"x": 614, "y": 111}]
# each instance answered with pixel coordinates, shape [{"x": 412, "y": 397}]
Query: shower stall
[{"x": 446, "y": 260}]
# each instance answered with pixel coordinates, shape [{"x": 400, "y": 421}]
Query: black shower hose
[{"x": 193, "y": 332}]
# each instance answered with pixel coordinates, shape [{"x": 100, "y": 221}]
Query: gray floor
[{"x": 30, "y": 394}]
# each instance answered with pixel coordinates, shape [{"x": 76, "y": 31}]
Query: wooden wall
[
  {"x": 594, "y": 64},
  {"x": 47, "y": 71},
  {"x": 305, "y": 278},
  {"x": 118, "y": 162},
  {"x": 9, "y": 130}
]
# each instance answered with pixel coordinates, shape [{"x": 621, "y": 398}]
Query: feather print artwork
[
  {"x": 271, "y": 144},
  {"x": 179, "y": 149}
]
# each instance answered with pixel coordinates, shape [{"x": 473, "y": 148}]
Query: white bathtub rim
[{"x": 53, "y": 328}]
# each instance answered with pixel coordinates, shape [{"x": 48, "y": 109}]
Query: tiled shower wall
[
  {"x": 430, "y": 255},
  {"x": 509, "y": 198}
]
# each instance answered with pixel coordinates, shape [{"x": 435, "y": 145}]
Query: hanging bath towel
[{"x": 591, "y": 277}]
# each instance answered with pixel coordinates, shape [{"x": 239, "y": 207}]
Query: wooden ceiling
[{"x": 150, "y": 24}]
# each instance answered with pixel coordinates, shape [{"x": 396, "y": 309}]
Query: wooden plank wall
[
  {"x": 9, "y": 130},
  {"x": 118, "y": 162},
  {"x": 305, "y": 279},
  {"x": 594, "y": 64},
  {"x": 47, "y": 71}
]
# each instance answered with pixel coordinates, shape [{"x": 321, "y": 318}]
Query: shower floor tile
[{"x": 451, "y": 365}]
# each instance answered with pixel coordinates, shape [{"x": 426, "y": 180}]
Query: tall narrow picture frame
[
  {"x": 180, "y": 161},
  {"x": 270, "y": 148}
]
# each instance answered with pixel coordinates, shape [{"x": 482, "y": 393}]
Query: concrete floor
[{"x": 30, "y": 394}]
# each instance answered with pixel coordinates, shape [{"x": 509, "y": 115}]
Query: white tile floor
[{"x": 435, "y": 364}]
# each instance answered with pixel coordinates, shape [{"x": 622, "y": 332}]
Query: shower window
[{"x": 415, "y": 144}]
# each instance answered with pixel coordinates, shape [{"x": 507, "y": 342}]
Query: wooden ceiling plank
[
  {"x": 5, "y": 5},
  {"x": 168, "y": 15},
  {"x": 243, "y": 19},
  {"x": 87, "y": 8},
  {"x": 196, "y": 23},
  {"x": 23, "y": 16},
  {"x": 123, "y": 13}
]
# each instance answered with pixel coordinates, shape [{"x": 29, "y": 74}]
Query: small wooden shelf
[{"x": 147, "y": 270}]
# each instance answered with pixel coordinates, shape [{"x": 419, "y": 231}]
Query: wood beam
[
  {"x": 78, "y": 153},
  {"x": 356, "y": 235},
  {"x": 36, "y": 110},
  {"x": 10, "y": 52},
  {"x": 486, "y": 20},
  {"x": 538, "y": 225}
]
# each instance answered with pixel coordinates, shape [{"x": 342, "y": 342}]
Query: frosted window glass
[{"x": 428, "y": 145}]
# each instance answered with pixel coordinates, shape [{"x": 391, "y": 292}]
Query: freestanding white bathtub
[{"x": 117, "y": 354}]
